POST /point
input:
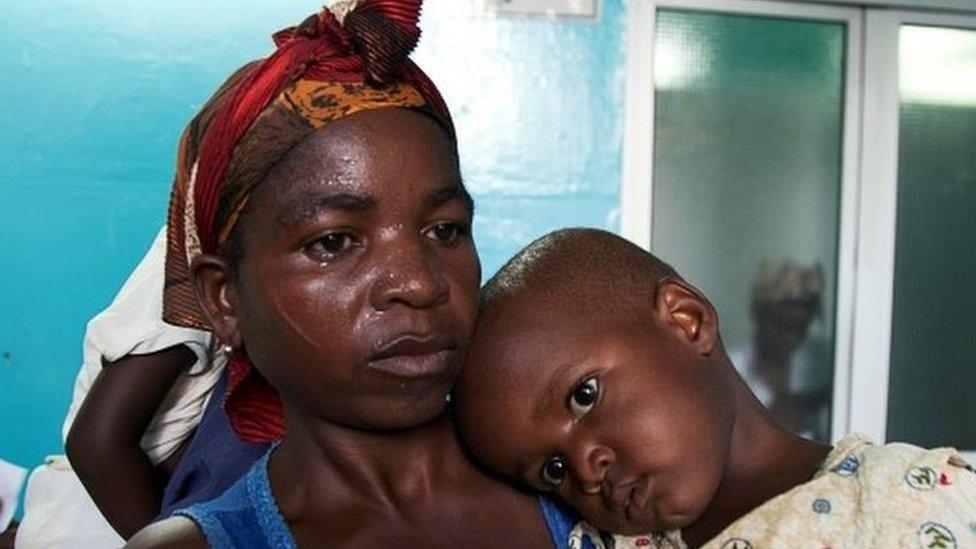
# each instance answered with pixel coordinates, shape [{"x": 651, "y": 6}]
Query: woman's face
[{"x": 356, "y": 292}]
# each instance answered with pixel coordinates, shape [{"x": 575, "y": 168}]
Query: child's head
[{"x": 597, "y": 373}]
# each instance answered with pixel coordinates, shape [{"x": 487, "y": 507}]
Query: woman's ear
[
  {"x": 212, "y": 281},
  {"x": 681, "y": 306}
]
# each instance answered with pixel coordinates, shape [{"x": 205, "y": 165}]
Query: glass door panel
[
  {"x": 748, "y": 121},
  {"x": 932, "y": 375}
]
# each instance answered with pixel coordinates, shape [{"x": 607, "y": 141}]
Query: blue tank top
[{"x": 246, "y": 516}]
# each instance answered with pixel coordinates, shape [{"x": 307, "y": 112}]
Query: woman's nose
[
  {"x": 409, "y": 276},
  {"x": 592, "y": 466}
]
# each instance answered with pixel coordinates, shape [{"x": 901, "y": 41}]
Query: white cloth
[
  {"x": 133, "y": 325},
  {"x": 11, "y": 480},
  {"x": 59, "y": 513}
]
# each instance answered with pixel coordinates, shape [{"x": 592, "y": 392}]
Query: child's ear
[
  {"x": 212, "y": 282},
  {"x": 682, "y": 307}
]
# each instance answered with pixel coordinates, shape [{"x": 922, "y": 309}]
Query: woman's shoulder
[{"x": 175, "y": 532}]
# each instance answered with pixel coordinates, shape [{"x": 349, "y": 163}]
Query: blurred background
[{"x": 811, "y": 167}]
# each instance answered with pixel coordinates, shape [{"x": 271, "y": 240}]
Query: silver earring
[{"x": 226, "y": 348}]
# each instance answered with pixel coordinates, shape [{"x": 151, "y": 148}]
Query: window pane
[
  {"x": 933, "y": 349},
  {"x": 747, "y": 163}
]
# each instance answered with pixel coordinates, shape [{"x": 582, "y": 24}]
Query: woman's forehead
[
  {"x": 384, "y": 142},
  {"x": 366, "y": 158}
]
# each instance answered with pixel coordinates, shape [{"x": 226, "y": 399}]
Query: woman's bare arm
[{"x": 104, "y": 442}]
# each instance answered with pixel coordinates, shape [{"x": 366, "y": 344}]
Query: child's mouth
[
  {"x": 640, "y": 495},
  {"x": 632, "y": 494},
  {"x": 631, "y": 500}
]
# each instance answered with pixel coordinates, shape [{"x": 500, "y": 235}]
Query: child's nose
[{"x": 592, "y": 468}]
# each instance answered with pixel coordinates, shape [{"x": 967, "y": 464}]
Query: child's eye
[
  {"x": 554, "y": 472},
  {"x": 584, "y": 396},
  {"x": 331, "y": 245},
  {"x": 445, "y": 232}
]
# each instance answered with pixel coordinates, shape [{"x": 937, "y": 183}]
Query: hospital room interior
[{"x": 809, "y": 165}]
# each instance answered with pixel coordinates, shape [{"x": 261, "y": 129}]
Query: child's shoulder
[
  {"x": 869, "y": 495},
  {"x": 896, "y": 466},
  {"x": 910, "y": 493}
]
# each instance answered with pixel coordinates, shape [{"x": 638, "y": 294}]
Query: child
[{"x": 598, "y": 374}]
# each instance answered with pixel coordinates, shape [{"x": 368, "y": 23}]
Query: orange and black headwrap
[{"x": 345, "y": 59}]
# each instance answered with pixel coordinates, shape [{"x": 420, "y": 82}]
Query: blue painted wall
[{"x": 95, "y": 93}]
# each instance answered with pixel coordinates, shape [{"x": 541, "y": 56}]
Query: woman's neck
[{"x": 320, "y": 463}]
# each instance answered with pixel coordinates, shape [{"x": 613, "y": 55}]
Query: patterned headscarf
[{"x": 345, "y": 59}]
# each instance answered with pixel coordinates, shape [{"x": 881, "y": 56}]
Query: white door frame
[
  {"x": 957, "y": 6},
  {"x": 871, "y": 350},
  {"x": 637, "y": 188}
]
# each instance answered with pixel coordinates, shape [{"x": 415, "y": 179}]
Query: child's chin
[
  {"x": 635, "y": 529},
  {"x": 652, "y": 520},
  {"x": 632, "y": 526}
]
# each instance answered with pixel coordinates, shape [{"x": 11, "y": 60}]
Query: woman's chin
[
  {"x": 407, "y": 414},
  {"x": 418, "y": 415}
]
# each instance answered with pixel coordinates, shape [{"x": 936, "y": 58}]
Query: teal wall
[{"x": 95, "y": 93}]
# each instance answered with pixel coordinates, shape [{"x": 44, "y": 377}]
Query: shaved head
[
  {"x": 586, "y": 269},
  {"x": 592, "y": 373}
]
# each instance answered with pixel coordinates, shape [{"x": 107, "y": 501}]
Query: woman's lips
[{"x": 412, "y": 356}]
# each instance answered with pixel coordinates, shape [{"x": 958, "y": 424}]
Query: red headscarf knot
[
  {"x": 384, "y": 32},
  {"x": 371, "y": 44},
  {"x": 381, "y": 32}
]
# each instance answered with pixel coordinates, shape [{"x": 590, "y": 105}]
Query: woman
[{"x": 320, "y": 219}]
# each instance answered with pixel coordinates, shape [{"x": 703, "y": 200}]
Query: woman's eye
[
  {"x": 332, "y": 244},
  {"x": 445, "y": 232},
  {"x": 554, "y": 472},
  {"x": 584, "y": 396}
]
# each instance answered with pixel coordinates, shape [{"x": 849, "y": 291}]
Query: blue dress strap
[
  {"x": 246, "y": 515},
  {"x": 561, "y": 521}
]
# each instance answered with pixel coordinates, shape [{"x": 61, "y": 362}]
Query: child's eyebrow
[{"x": 553, "y": 387}]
